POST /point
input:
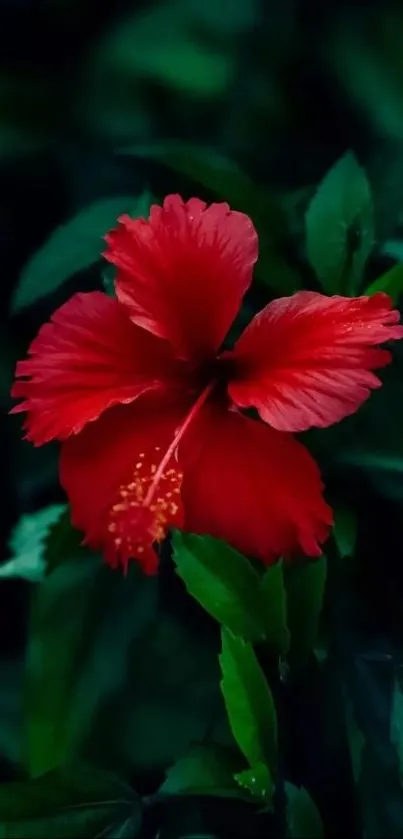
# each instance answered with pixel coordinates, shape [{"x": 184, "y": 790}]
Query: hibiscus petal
[
  {"x": 307, "y": 360},
  {"x": 184, "y": 272},
  {"x": 87, "y": 358},
  {"x": 107, "y": 471},
  {"x": 257, "y": 488}
]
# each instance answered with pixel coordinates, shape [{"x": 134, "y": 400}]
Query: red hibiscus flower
[{"x": 149, "y": 406}]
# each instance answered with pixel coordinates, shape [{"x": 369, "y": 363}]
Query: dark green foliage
[
  {"x": 112, "y": 720},
  {"x": 78, "y": 801},
  {"x": 340, "y": 228},
  {"x": 249, "y": 704},
  {"x": 223, "y": 581}
]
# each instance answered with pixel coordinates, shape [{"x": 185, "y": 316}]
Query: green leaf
[
  {"x": 27, "y": 543},
  {"x": 142, "y": 204},
  {"x": 62, "y": 543},
  {"x": 340, "y": 227},
  {"x": 216, "y": 173},
  {"x": 303, "y": 819},
  {"x": 84, "y": 620},
  {"x": 390, "y": 283},
  {"x": 75, "y": 802},
  {"x": 33, "y": 528},
  {"x": 107, "y": 676},
  {"x": 258, "y": 781},
  {"x": 274, "y": 598},
  {"x": 108, "y": 275},
  {"x": 227, "y": 182},
  {"x": 393, "y": 248},
  {"x": 345, "y": 531},
  {"x": 57, "y": 633},
  {"x": 305, "y": 585},
  {"x": 369, "y": 70},
  {"x": 207, "y": 770},
  {"x": 249, "y": 702},
  {"x": 160, "y": 43},
  {"x": 170, "y": 700},
  {"x": 74, "y": 246},
  {"x": 222, "y": 581}
]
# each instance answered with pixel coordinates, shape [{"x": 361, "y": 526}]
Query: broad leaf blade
[
  {"x": 305, "y": 585},
  {"x": 57, "y": 626},
  {"x": 62, "y": 543},
  {"x": 74, "y": 246},
  {"x": 216, "y": 173},
  {"x": 303, "y": 819},
  {"x": 340, "y": 227},
  {"x": 159, "y": 43},
  {"x": 125, "y": 684},
  {"x": 171, "y": 699},
  {"x": 249, "y": 702},
  {"x": 28, "y": 541},
  {"x": 207, "y": 770},
  {"x": 274, "y": 597},
  {"x": 390, "y": 283},
  {"x": 33, "y": 528},
  {"x": 84, "y": 619},
  {"x": 223, "y": 581},
  {"x": 345, "y": 531},
  {"x": 258, "y": 781},
  {"x": 77, "y": 802}
]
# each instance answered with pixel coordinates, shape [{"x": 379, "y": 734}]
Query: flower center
[
  {"x": 150, "y": 502},
  {"x": 144, "y": 510},
  {"x": 218, "y": 370}
]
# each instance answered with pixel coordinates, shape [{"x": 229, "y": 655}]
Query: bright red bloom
[{"x": 148, "y": 404}]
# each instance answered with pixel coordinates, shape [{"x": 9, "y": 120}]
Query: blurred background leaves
[{"x": 256, "y": 103}]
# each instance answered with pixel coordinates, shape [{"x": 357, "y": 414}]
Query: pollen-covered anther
[{"x": 144, "y": 510}]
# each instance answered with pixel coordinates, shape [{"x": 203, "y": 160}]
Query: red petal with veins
[
  {"x": 183, "y": 273},
  {"x": 307, "y": 360},
  {"x": 107, "y": 471},
  {"x": 89, "y": 357},
  {"x": 257, "y": 488}
]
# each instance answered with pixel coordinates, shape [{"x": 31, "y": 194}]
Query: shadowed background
[{"x": 283, "y": 90}]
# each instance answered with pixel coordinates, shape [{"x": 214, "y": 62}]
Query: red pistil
[
  {"x": 150, "y": 502},
  {"x": 175, "y": 442}
]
